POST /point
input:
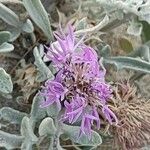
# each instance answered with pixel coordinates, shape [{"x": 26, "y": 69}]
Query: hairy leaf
[
  {"x": 6, "y": 47},
  {"x": 4, "y": 36},
  {"x": 135, "y": 28},
  {"x": 28, "y": 26},
  {"x": 39, "y": 16},
  {"x": 143, "y": 52},
  {"x": 123, "y": 62},
  {"x": 52, "y": 110},
  {"x": 73, "y": 134},
  {"x": 27, "y": 132},
  {"x": 6, "y": 85},
  {"x": 47, "y": 127},
  {"x": 44, "y": 71},
  {"x": 9, "y": 16},
  {"x": 10, "y": 141},
  {"x": 12, "y": 115},
  {"x": 37, "y": 113}
]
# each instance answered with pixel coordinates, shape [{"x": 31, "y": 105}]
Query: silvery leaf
[
  {"x": 39, "y": 16},
  {"x": 28, "y": 26},
  {"x": 135, "y": 28},
  {"x": 9, "y": 16},
  {"x": 6, "y": 85},
  {"x": 6, "y": 47},
  {"x": 4, "y": 36}
]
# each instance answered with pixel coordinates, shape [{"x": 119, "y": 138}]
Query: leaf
[
  {"x": 6, "y": 85},
  {"x": 27, "y": 132},
  {"x": 122, "y": 62},
  {"x": 6, "y": 47},
  {"x": 52, "y": 110},
  {"x": 47, "y": 127},
  {"x": 39, "y": 16},
  {"x": 9, "y": 16},
  {"x": 145, "y": 31},
  {"x": 10, "y": 141},
  {"x": 143, "y": 52},
  {"x": 44, "y": 71},
  {"x": 81, "y": 24},
  {"x": 37, "y": 113},
  {"x": 135, "y": 28},
  {"x": 11, "y": 115},
  {"x": 4, "y": 36},
  {"x": 73, "y": 133},
  {"x": 15, "y": 32},
  {"x": 104, "y": 50},
  {"x": 28, "y": 26},
  {"x": 125, "y": 45}
]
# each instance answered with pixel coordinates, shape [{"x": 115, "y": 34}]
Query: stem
[
  {"x": 95, "y": 28},
  {"x": 54, "y": 141}
]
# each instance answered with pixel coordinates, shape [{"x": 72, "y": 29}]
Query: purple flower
[
  {"x": 79, "y": 86},
  {"x": 103, "y": 90},
  {"x": 110, "y": 116},
  {"x": 87, "y": 121},
  {"x": 74, "y": 109},
  {"x": 62, "y": 50},
  {"x": 52, "y": 92}
]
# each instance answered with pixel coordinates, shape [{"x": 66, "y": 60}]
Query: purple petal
[{"x": 109, "y": 114}]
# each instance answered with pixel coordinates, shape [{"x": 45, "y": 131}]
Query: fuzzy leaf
[
  {"x": 4, "y": 36},
  {"x": 145, "y": 31},
  {"x": 122, "y": 62},
  {"x": 6, "y": 85},
  {"x": 73, "y": 134},
  {"x": 81, "y": 24},
  {"x": 11, "y": 115},
  {"x": 26, "y": 130},
  {"x": 10, "y": 141},
  {"x": 9, "y": 16},
  {"x": 39, "y": 16},
  {"x": 6, "y": 47},
  {"x": 52, "y": 110},
  {"x": 44, "y": 71},
  {"x": 135, "y": 28},
  {"x": 47, "y": 127},
  {"x": 28, "y": 26},
  {"x": 37, "y": 113},
  {"x": 143, "y": 52},
  {"x": 15, "y": 32},
  {"x": 104, "y": 50}
]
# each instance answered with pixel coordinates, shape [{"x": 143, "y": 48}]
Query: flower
[
  {"x": 61, "y": 50},
  {"x": 79, "y": 86},
  {"x": 74, "y": 109},
  {"x": 52, "y": 91},
  {"x": 133, "y": 113}
]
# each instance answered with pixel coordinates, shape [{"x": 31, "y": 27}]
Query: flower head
[
  {"x": 79, "y": 83},
  {"x": 133, "y": 113}
]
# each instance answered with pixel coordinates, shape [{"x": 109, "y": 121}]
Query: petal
[
  {"x": 95, "y": 113},
  {"x": 109, "y": 114}
]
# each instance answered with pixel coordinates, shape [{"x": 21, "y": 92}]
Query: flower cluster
[
  {"x": 132, "y": 110},
  {"x": 79, "y": 86}
]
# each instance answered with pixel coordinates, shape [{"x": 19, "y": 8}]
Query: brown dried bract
[{"x": 133, "y": 112}]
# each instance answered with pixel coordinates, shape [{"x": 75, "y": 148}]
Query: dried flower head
[
  {"x": 79, "y": 86},
  {"x": 133, "y": 113}
]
